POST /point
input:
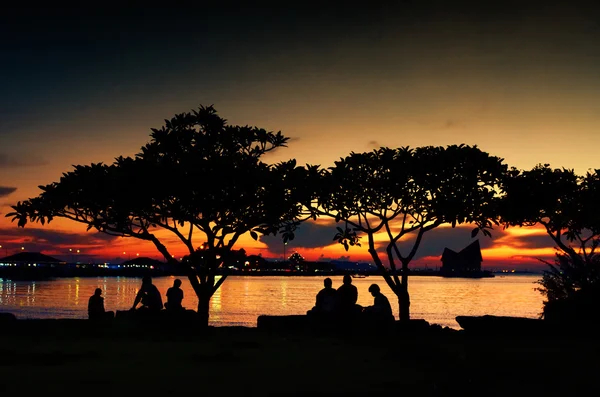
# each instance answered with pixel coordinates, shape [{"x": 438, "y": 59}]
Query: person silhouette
[
  {"x": 96, "y": 307},
  {"x": 149, "y": 296},
  {"x": 327, "y": 299},
  {"x": 381, "y": 311},
  {"x": 347, "y": 297},
  {"x": 174, "y": 296}
]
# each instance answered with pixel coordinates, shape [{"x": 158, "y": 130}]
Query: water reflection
[
  {"x": 240, "y": 300},
  {"x": 284, "y": 285}
]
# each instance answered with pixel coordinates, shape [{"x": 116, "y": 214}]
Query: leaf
[
  {"x": 474, "y": 232},
  {"x": 254, "y": 235}
]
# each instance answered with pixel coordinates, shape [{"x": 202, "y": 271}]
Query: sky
[{"x": 79, "y": 85}]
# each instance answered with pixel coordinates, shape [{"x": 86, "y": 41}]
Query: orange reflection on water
[{"x": 240, "y": 300}]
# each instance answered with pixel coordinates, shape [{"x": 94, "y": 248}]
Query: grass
[{"x": 42, "y": 356}]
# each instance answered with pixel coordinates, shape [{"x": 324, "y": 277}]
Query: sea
[{"x": 241, "y": 299}]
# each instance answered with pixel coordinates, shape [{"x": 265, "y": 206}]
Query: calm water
[{"x": 240, "y": 300}]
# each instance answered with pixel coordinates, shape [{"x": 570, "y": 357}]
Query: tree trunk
[
  {"x": 203, "y": 309},
  {"x": 404, "y": 304}
]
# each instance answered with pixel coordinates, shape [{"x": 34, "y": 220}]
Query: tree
[
  {"x": 406, "y": 192},
  {"x": 566, "y": 205},
  {"x": 198, "y": 178}
]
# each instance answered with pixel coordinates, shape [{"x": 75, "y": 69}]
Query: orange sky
[{"x": 522, "y": 84}]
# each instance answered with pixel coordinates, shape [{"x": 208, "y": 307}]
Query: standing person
[
  {"x": 96, "y": 307},
  {"x": 149, "y": 296},
  {"x": 174, "y": 296},
  {"x": 381, "y": 311},
  {"x": 348, "y": 295}
]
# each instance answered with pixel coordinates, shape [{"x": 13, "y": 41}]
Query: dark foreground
[{"x": 76, "y": 357}]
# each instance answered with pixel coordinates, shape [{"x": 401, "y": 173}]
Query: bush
[{"x": 572, "y": 288}]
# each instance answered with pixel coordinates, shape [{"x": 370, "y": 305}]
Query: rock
[{"x": 7, "y": 318}]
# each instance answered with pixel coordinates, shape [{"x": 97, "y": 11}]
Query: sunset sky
[{"x": 78, "y": 86}]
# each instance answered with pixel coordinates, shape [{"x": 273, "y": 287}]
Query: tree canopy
[
  {"x": 197, "y": 175},
  {"x": 566, "y": 205},
  {"x": 407, "y": 192}
]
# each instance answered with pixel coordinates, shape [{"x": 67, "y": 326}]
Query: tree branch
[
  {"x": 390, "y": 254},
  {"x": 218, "y": 284},
  {"x": 190, "y": 232},
  {"x": 379, "y": 264}
]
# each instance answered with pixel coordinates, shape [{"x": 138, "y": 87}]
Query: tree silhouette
[
  {"x": 566, "y": 205},
  {"x": 407, "y": 192},
  {"x": 198, "y": 178}
]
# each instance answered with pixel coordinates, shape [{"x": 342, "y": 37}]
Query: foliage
[
  {"x": 564, "y": 203},
  {"x": 565, "y": 277}
]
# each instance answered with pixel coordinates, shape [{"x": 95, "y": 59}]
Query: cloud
[
  {"x": 374, "y": 144},
  {"x": 453, "y": 123},
  {"x": 48, "y": 239},
  {"x": 456, "y": 239},
  {"x": 13, "y": 161},
  {"x": 342, "y": 258},
  {"x": 529, "y": 242},
  {"x": 434, "y": 241},
  {"x": 310, "y": 234},
  {"x": 319, "y": 234},
  {"x": 6, "y": 190}
]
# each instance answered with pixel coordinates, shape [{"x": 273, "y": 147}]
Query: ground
[{"x": 78, "y": 358}]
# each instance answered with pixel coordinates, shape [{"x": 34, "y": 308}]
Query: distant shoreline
[{"x": 38, "y": 276}]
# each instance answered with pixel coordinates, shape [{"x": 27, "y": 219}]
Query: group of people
[
  {"x": 330, "y": 302},
  {"x": 341, "y": 302},
  {"x": 149, "y": 296}
]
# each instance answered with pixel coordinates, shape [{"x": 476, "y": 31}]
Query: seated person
[
  {"x": 174, "y": 297},
  {"x": 327, "y": 299},
  {"x": 347, "y": 297},
  {"x": 149, "y": 296},
  {"x": 96, "y": 307},
  {"x": 381, "y": 311}
]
